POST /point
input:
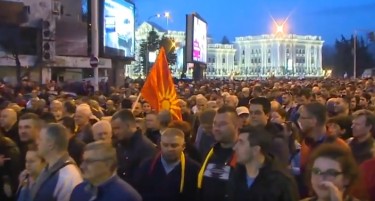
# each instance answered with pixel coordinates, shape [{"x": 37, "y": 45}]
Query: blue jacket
[
  {"x": 57, "y": 182},
  {"x": 115, "y": 189}
]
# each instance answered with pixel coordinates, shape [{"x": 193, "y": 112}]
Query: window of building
[
  {"x": 259, "y": 60},
  {"x": 303, "y": 51},
  {"x": 252, "y": 51},
  {"x": 209, "y": 60},
  {"x": 243, "y": 61},
  {"x": 213, "y": 60},
  {"x": 252, "y": 61},
  {"x": 269, "y": 51},
  {"x": 269, "y": 60},
  {"x": 243, "y": 52},
  {"x": 223, "y": 60},
  {"x": 312, "y": 60},
  {"x": 287, "y": 51}
]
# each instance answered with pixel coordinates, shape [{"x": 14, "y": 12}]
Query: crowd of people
[{"x": 250, "y": 140}]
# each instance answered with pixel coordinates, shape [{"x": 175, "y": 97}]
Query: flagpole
[{"x": 136, "y": 101}]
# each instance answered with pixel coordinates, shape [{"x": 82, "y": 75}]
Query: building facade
[
  {"x": 276, "y": 55},
  {"x": 279, "y": 55},
  {"x": 141, "y": 34},
  {"x": 220, "y": 60}
]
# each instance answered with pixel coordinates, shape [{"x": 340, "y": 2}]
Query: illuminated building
[
  {"x": 279, "y": 55},
  {"x": 220, "y": 61}
]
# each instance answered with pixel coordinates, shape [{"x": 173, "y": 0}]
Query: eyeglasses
[{"x": 330, "y": 173}]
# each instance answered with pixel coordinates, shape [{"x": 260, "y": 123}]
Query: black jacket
[
  {"x": 11, "y": 169},
  {"x": 130, "y": 154},
  {"x": 75, "y": 149},
  {"x": 279, "y": 147},
  {"x": 273, "y": 183},
  {"x": 154, "y": 184}
]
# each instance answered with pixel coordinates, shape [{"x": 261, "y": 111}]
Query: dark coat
[
  {"x": 273, "y": 183},
  {"x": 279, "y": 148},
  {"x": 154, "y": 184},
  {"x": 11, "y": 169},
  {"x": 130, "y": 154}
]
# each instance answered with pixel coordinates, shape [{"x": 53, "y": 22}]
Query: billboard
[
  {"x": 71, "y": 38},
  {"x": 199, "y": 40},
  {"x": 196, "y": 39},
  {"x": 118, "y": 24}
]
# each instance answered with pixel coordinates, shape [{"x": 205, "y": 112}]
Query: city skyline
[{"x": 325, "y": 18}]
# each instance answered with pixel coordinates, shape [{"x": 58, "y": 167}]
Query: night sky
[{"x": 327, "y": 18}]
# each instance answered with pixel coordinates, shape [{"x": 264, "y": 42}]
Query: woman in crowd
[
  {"x": 34, "y": 166},
  {"x": 332, "y": 172}
]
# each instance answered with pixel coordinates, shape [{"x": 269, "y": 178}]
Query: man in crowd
[
  {"x": 8, "y": 123},
  {"x": 259, "y": 176},
  {"x": 132, "y": 146},
  {"x": 220, "y": 160},
  {"x": 61, "y": 174},
  {"x": 82, "y": 119},
  {"x": 101, "y": 182},
  {"x": 170, "y": 175},
  {"x": 102, "y": 130}
]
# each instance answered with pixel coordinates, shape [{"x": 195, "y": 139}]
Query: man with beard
[{"x": 312, "y": 122}]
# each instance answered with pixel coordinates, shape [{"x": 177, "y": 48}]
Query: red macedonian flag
[{"x": 159, "y": 90}]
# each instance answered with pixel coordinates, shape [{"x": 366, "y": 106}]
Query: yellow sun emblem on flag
[{"x": 168, "y": 101}]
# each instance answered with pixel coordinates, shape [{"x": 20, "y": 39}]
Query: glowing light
[
  {"x": 280, "y": 28},
  {"x": 167, "y": 15}
]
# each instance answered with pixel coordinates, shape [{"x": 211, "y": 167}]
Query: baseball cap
[{"x": 242, "y": 110}]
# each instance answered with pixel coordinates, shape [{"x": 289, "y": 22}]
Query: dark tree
[
  {"x": 169, "y": 45},
  {"x": 225, "y": 40},
  {"x": 146, "y": 46},
  {"x": 344, "y": 57}
]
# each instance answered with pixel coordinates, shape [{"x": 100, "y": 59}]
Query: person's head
[
  {"x": 172, "y": 144},
  {"x": 364, "y": 100},
  {"x": 286, "y": 98},
  {"x": 341, "y": 105},
  {"x": 303, "y": 96},
  {"x": 253, "y": 143},
  {"x": 69, "y": 124},
  {"x": 152, "y": 122},
  {"x": 245, "y": 92},
  {"x": 257, "y": 91},
  {"x": 146, "y": 107},
  {"x": 82, "y": 115},
  {"x": 69, "y": 108},
  {"x": 259, "y": 111},
  {"x": 102, "y": 130},
  {"x": 201, "y": 102},
  {"x": 363, "y": 123},
  {"x": 211, "y": 105},
  {"x": 243, "y": 113},
  {"x": 278, "y": 116},
  {"x": 183, "y": 126},
  {"x": 34, "y": 163},
  {"x": 331, "y": 163},
  {"x": 141, "y": 124},
  {"x": 29, "y": 127},
  {"x": 99, "y": 162},
  {"x": 8, "y": 117},
  {"x": 311, "y": 116},
  {"x": 231, "y": 101},
  {"x": 123, "y": 124},
  {"x": 164, "y": 118},
  {"x": 137, "y": 109},
  {"x": 53, "y": 139},
  {"x": 340, "y": 126},
  {"x": 225, "y": 125},
  {"x": 56, "y": 108},
  {"x": 206, "y": 119},
  {"x": 183, "y": 105}
]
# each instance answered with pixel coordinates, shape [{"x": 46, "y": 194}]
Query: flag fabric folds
[{"x": 159, "y": 90}]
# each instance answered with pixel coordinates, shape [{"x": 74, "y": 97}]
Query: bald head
[
  {"x": 173, "y": 132},
  {"x": 8, "y": 118},
  {"x": 102, "y": 130}
]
